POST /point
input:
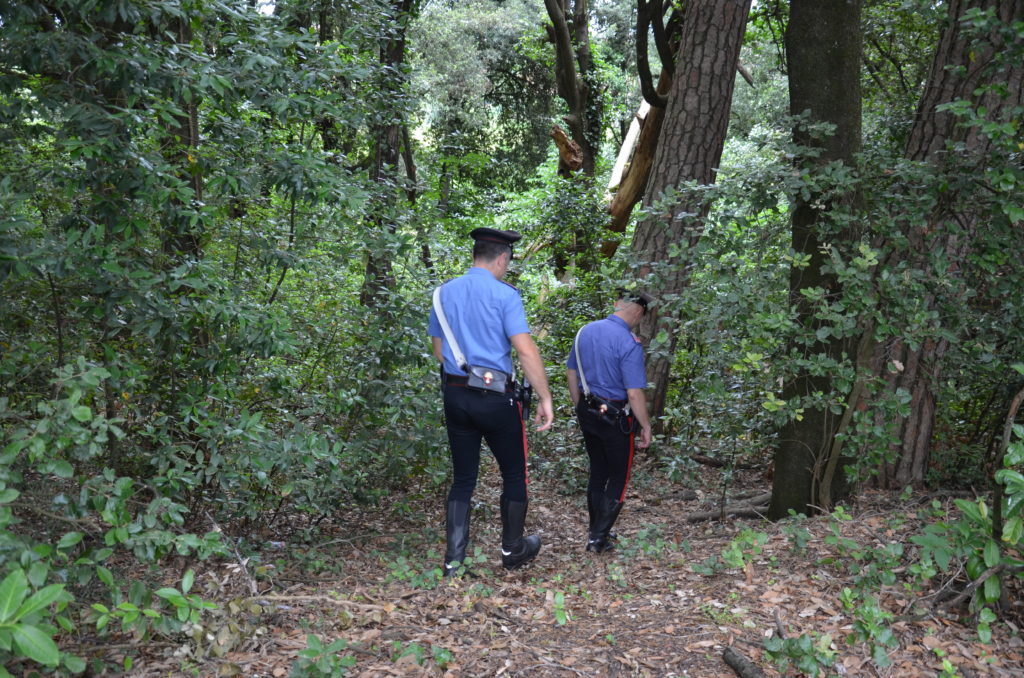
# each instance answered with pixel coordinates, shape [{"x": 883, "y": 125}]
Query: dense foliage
[{"x": 187, "y": 212}]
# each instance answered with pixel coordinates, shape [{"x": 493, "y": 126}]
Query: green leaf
[
  {"x": 105, "y": 575},
  {"x": 36, "y": 645},
  {"x": 991, "y": 590},
  {"x": 12, "y": 591},
  {"x": 8, "y": 495},
  {"x": 82, "y": 413},
  {"x": 187, "y": 581},
  {"x": 991, "y": 554},
  {"x": 62, "y": 468},
  {"x": 1013, "y": 530},
  {"x": 173, "y": 596},
  {"x": 40, "y": 600},
  {"x": 74, "y": 663},
  {"x": 69, "y": 540}
]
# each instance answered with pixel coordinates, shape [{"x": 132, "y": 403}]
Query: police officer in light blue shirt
[
  {"x": 486, "y": 320},
  {"x": 606, "y": 378}
]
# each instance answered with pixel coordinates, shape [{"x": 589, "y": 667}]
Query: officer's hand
[
  {"x": 545, "y": 415},
  {"x": 645, "y": 437}
]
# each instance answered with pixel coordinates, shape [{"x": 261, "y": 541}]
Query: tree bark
[
  {"x": 570, "y": 29},
  {"x": 962, "y": 65},
  {"x": 690, "y": 149},
  {"x": 378, "y": 278},
  {"x": 631, "y": 187},
  {"x": 823, "y": 53},
  {"x": 180, "y": 238}
]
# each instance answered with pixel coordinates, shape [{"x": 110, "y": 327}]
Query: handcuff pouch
[{"x": 486, "y": 379}]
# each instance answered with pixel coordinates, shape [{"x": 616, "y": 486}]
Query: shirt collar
[
  {"x": 479, "y": 270},
  {"x": 620, "y": 321}
]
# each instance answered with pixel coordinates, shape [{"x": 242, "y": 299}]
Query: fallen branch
[
  {"x": 316, "y": 599},
  {"x": 718, "y": 463},
  {"x": 743, "y": 667},
  {"x": 735, "y": 511}
]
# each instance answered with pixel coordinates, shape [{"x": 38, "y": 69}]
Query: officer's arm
[
  {"x": 638, "y": 405},
  {"x": 533, "y": 366},
  {"x": 574, "y": 386},
  {"x": 436, "y": 341}
]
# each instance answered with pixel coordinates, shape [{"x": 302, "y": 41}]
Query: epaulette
[{"x": 509, "y": 284}]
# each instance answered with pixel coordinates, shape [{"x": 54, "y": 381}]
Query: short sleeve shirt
[
  {"x": 612, "y": 357},
  {"x": 484, "y": 313}
]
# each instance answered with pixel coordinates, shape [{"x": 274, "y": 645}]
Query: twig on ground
[{"x": 778, "y": 624}]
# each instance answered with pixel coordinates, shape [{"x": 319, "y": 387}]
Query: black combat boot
[
  {"x": 600, "y": 534},
  {"x": 516, "y": 550},
  {"x": 593, "y": 502},
  {"x": 457, "y": 531}
]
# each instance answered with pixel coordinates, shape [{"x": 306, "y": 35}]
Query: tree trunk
[
  {"x": 631, "y": 186},
  {"x": 823, "y": 52},
  {"x": 180, "y": 238},
  {"x": 378, "y": 278},
  {"x": 692, "y": 137},
  {"x": 961, "y": 67},
  {"x": 570, "y": 30}
]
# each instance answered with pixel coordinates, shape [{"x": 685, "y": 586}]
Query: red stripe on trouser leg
[
  {"x": 629, "y": 464},
  {"x": 526, "y": 449}
]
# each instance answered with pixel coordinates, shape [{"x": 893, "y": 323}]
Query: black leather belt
[{"x": 456, "y": 380}]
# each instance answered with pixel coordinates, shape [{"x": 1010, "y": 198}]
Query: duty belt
[{"x": 456, "y": 380}]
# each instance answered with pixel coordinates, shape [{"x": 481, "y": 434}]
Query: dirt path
[{"x": 641, "y": 611}]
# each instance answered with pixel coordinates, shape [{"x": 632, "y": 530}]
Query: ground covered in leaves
[{"x": 365, "y": 599}]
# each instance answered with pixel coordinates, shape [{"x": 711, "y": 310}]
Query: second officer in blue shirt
[
  {"x": 606, "y": 378},
  {"x": 485, "y": 318}
]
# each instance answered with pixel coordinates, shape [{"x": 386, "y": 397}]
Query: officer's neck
[
  {"x": 498, "y": 267},
  {"x": 629, "y": 316}
]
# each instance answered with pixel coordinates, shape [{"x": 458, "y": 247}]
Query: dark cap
[
  {"x": 494, "y": 235},
  {"x": 641, "y": 298}
]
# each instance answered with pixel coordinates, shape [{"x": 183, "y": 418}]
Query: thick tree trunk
[
  {"x": 690, "y": 148},
  {"x": 961, "y": 67},
  {"x": 823, "y": 48}
]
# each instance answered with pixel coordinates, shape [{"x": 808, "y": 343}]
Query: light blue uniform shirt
[
  {"x": 613, "y": 359},
  {"x": 483, "y": 313}
]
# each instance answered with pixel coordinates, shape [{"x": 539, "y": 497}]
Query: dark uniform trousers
[
  {"x": 473, "y": 416},
  {"x": 610, "y": 448}
]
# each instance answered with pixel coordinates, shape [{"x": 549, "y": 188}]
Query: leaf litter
[{"x": 642, "y": 610}]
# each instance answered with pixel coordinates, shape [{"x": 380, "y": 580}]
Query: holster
[{"x": 603, "y": 410}]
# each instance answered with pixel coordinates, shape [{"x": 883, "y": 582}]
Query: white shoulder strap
[
  {"x": 460, "y": 359},
  {"x": 579, "y": 362}
]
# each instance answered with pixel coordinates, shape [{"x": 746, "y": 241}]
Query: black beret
[{"x": 494, "y": 235}]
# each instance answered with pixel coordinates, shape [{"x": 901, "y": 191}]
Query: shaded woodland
[{"x": 221, "y": 447}]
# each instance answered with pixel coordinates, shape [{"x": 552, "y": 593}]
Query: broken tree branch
[{"x": 743, "y": 667}]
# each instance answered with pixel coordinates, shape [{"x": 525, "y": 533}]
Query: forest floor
[{"x": 370, "y": 584}]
